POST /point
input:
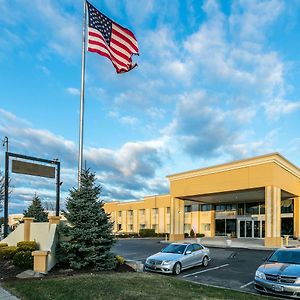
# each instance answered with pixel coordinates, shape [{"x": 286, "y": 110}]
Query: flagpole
[{"x": 80, "y": 154}]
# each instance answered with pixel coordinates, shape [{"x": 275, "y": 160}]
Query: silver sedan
[{"x": 176, "y": 257}]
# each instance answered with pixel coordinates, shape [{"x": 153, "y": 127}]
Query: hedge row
[
  {"x": 142, "y": 233},
  {"x": 20, "y": 254}
]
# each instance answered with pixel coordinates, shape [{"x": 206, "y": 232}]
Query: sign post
[{"x": 23, "y": 167}]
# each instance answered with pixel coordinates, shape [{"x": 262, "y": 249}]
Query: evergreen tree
[
  {"x": 87, "y": 238},
  {"x": 35, "y": 210}
]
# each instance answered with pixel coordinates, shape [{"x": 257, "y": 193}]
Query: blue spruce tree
[{"x": 87, "y": 238}]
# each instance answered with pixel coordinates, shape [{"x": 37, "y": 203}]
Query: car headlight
[
  {"x": 166, "y": 262},
  {"x": 297, "y": 281},
  {"x": 260, "y": 274}
]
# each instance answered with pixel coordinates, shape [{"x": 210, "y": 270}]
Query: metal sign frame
[{"x": 6, "y": 182}]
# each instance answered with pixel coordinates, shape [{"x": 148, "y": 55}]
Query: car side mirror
[{"x": 188, "y": 252}]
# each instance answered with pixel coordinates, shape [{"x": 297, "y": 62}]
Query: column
[
  {"x": 297, "y": 217},
  {"x": 177, "y": 220},
  {"x": 272, "y": 216},
  {"x": 27, "y": 224}
]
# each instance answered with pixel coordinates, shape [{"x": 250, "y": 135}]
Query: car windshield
[
  {"x": 285, "y": 256},
  {"x": 174, "y": 248}
]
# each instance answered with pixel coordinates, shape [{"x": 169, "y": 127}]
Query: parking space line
[
  {"x": 206, "y": 270},
  {"x": 241, "y": 287}
]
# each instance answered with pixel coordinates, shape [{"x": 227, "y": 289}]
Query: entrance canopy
[
  {"x": 243, "y": 180},
  {"x": 250, "y": 195}
]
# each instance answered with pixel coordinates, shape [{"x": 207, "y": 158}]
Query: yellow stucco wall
[{"x": 272, "y": 173}]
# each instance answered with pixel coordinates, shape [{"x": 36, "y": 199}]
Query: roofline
[{"x": 237, "y": 164}]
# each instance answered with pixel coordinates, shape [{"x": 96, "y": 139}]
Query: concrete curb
[
  {"x": 225, "y": 246},
  {"x": 5, "y": 295},
  {"x": 137, "y": 265}
]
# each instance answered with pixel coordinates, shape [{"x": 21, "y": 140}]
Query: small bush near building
[
  {"x": 163, "y": 234},
  {"x": 147, "y": 232},
  {"x": 27, "y": 246},
  {"x": 127, "y": 235},
  {"x": 200, "y": 235},
  {"x": 3, "y": 245},
  {"x": 192, "y": 233},
  {"x": 23, "y": 260},
  {"x": 120, "y": 260},
  {"x": 8, "y": 252},
  {"x": 186, "y": 235}
]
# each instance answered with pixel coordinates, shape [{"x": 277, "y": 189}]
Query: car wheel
[
  {"x": 205, "y": 261},
  {"x": 177, "y": 268}
]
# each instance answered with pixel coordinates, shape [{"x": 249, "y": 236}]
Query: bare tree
[
  {"x": 49, "y": 205},
  {"x": 2, "y": 191}
]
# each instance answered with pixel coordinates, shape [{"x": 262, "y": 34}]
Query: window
[
  {"x": 205, "y": 227},
  {"x": 154, "y": 226},
  {"x": 130, "y": 213},
  {"x": 190, "y": 248},
  {"x": 187, "y": 208},
  {"x": 155, "y": 211},
  {"x": 287, "y": 206},
  {"x": 197, "y": 247},
  {"x": 187, "y": 228},
  {"x": 142, "y": 212},
  {"x": 220, "y": 207},
  {"x": 119, "y": 227},
  {"x": 120, "y": 214},
  {"x": 130, "y": 227},
  {"x": 168, "y": 210},
  {"x": 168, "y": 228},
  {"x": 206, "y": 207},
  {"x": 252, "y": 208},
  {"x": 142, "y": 226}
]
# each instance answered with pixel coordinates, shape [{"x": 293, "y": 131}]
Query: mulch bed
[{"x": 8, "y": 271}]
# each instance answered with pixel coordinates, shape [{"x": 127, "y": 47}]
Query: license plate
[{"x": 277, "y": 288}]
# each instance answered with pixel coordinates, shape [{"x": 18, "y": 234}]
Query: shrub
[
  {"x": 23, "y": 260},
  {"x": 163, "y": 234},
  {"x": 192, "y": 233},
  {"x": 120, "y": 260},
  {"x": 186, "y": 235},
  {"x": 147, "y": 232},
  {"x": 27, "y": 246},
  {"x": 200, "y": 235},
  {"x": 8, "y": 252},
  {"x": 3, "y": 245}
]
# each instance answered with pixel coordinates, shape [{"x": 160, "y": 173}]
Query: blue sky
[{"x": 217, "y": 81}]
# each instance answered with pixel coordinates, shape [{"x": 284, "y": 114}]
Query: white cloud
[
  {"x": 277, "y": 107},
  {"x": 73, "y": 91}
]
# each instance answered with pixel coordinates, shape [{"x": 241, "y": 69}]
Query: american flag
[{"x": 111, "y": 40}]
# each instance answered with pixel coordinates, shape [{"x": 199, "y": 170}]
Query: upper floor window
[
  {"x": 120, "y": 213},
  {"x": 130, "y": 213},
  {"x": 187, "y": 208},
  {"x": 155, "y": 211}
]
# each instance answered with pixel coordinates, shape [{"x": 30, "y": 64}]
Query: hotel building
[{"x": 250, "y": 198}]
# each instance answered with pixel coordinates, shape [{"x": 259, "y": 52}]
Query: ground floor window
[
  {"x": 119, "y": 227},
  {"x": 205, "y": 227},
  {"x": 187, "y": 228},
  {"x": 287, "y": 226}
]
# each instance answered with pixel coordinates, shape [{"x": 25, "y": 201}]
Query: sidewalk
[
  {"x": 5, "y": 295},
  {"x": 247, "y": 243}
]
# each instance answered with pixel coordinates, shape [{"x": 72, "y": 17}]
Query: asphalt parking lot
[{"x": 230, "y": 267}]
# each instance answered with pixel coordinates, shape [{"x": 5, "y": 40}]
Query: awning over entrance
[{"x": 249, "y": 195}]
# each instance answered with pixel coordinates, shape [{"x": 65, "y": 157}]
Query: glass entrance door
[{"x": 251, "y": 229}]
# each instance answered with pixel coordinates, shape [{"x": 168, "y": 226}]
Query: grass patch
[{"x": 118, "y": 286}]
